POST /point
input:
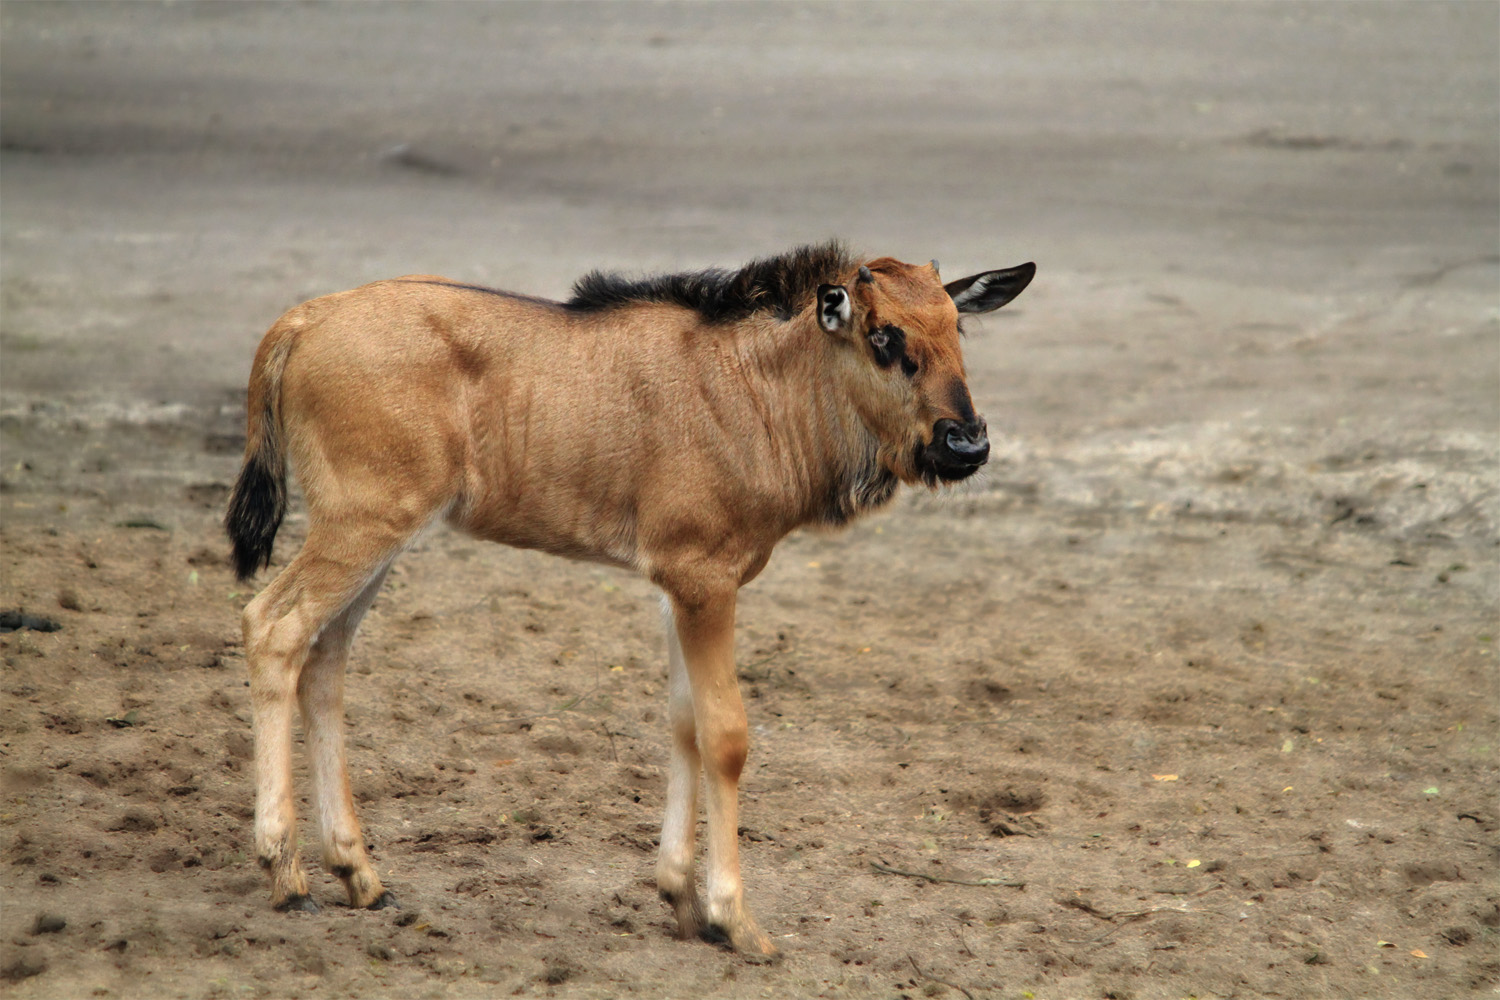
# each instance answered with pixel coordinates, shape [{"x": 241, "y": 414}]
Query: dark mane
[{"x": 781, "y": 285}]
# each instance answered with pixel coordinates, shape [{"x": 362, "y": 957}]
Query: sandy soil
[{"x": 1193, "y": 694}]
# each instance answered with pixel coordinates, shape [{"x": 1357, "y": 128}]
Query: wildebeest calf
[{"x": 680, "y": 426}]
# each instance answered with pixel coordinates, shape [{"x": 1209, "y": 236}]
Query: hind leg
[
  {"x": 320, "y": 691},
  {"x": 282, "y": 625}
]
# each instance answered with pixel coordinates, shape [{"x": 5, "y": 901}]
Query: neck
[{"x": 817, "y": 442}]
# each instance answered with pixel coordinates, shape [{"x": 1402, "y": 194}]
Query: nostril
[{"x": 968, "y": 442}]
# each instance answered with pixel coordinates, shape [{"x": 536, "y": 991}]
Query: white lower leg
[{"x": 674, "y": 860}]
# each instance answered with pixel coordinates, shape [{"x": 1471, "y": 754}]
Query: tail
[{"x": 258, "y": 502}]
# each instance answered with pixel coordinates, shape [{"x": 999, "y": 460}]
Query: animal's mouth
[
  {"x": 934, "y": 467},
  {"x": 950, "y": 473},
  {"x": 956, "y": 452}
]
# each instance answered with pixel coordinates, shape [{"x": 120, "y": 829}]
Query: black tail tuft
[{"x": 256, "y": 508}]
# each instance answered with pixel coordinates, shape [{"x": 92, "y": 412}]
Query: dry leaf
[
  {"x": 1165, "y": 777},
  {"x": 1194, "y": 863},
  {"x": 1418, "y": 953}
]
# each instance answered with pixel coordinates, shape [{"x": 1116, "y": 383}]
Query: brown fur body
[{"x": 678, "y": 436}]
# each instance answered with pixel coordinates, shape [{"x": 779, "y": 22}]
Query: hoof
[
  {"x": 385, "y": 899},
  {"x": 689, "y": 912},
  {"x": 300, "y": 903},
  {"x": 750, "y": 944}
]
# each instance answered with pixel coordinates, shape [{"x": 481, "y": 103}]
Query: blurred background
[{"x": 176, "y": 175}]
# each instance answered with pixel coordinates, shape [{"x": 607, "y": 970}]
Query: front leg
[
  {"x": 705, "y": 632},
  {"x": 674, "y": 859}
]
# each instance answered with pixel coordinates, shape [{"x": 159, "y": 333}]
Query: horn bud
[
  {"x": 934, "y": 266},
  {"x": 864, "y": 274}
]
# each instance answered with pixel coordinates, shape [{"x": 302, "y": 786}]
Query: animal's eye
[{"x": 888, "y": 344}]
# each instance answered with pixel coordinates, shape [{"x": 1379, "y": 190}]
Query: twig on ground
[
  {"x": 1085, "y": 906},
  {"x": 1093, "y": 911},
  {"x": 1106, "y": 934},
  {"x": 1125, "y": 917},
  {"x": 888, "y": 870},
  {"x": 763, "y": 659},
  {"x": 935, "y": 979},
  {"x": 963, "y": 942}
]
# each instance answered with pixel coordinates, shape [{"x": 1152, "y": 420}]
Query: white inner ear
[
  {"x": 834, "y": 310},
  {"x": 973, "y": 293}
]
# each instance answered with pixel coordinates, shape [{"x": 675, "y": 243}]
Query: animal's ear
[
  {"x": 834, "y": 310},
  {"x": 989, "y": 290}
]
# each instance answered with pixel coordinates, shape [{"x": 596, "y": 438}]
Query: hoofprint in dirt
[{"x": 1016, "y": 740}]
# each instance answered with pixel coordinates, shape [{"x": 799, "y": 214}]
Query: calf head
[{"x": 904, "y": 370}]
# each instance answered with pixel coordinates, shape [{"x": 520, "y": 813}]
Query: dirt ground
[{"x": 1192, "y": 694}]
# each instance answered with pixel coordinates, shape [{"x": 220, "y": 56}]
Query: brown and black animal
[{"x": 679, "y": 426}]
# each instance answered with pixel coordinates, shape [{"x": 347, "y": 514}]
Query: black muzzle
[{"x": 957, "y": 450}]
